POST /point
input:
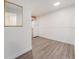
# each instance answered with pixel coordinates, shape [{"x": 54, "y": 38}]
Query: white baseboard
[
  {"x": 65, "y": 41},
  {"x": 18, "y": 54}
]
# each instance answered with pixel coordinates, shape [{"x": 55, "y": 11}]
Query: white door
[{"x": 35, "y": 28}]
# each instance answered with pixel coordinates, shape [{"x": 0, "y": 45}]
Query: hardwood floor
[
  {"x": 27, "y": 55},
  {"x": 50, "y": 49},
  {"x": 43, "y": 48}
]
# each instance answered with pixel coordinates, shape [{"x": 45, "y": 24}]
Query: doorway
[{"x": 34, "y": 26}]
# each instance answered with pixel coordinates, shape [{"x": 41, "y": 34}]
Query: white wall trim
[{"x": 19, "y": 53}]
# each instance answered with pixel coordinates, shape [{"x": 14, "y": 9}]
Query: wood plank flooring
[
  {"x": 50, "y": 49},
  {"x": 43, "y": 48},
  {"x": 27, "y": 55}
]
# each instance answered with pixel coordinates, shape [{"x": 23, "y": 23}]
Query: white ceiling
[{"x": 41, "y": 7}]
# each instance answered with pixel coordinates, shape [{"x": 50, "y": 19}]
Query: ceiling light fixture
[{"x": 56, "y": 4}]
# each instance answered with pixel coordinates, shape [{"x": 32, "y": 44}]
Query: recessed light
[{"x": 56, "y": 4}]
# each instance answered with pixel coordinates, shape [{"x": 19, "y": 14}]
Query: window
[{"x": 13, "y": 14}]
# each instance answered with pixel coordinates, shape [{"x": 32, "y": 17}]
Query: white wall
[
  {"x": 58, "y": 25},
  {"x": 18, "y": 39}
]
